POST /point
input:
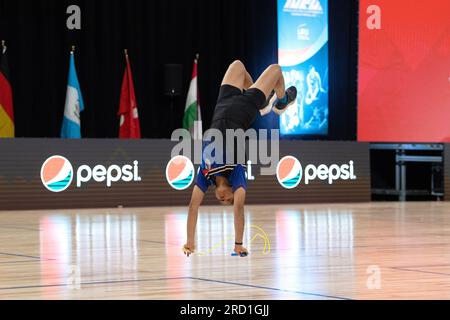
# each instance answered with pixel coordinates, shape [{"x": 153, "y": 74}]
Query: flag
[
  {"x": 128, "y": 112},
  {"x": 74, "y": 104},
  {"x": 6, "y": 100},
  {"x": 192, "y": 119}
]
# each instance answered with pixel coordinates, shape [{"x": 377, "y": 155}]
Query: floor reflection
[
  {"x": 309, "y": 239},
  {"x": 109, "y": 246},
  {"x": 96, "y": 245}
]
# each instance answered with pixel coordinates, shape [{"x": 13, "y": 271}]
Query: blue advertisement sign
[{"x": 303, "y": 56}]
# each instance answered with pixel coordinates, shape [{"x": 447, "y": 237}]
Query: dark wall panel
[
  {"x": 21, "y": 187},
  {"x": 447, "y": 172}
]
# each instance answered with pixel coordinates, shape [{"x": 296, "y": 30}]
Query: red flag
[{"x": 128, "y": 113}]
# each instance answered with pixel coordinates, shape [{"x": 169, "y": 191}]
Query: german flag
[{"x": 6, "y": 101}]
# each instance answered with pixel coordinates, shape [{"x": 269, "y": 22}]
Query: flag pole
[{"x": 198, "y": 128}]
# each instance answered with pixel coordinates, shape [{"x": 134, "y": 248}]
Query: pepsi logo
[
  {"x": 56, "y": 174},
  {"x": 289, "y": 172},
  {"x": 180, "y": 173}
]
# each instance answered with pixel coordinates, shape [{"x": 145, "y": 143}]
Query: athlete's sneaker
[
  {"x": 289, "y": 98},
  {"x": 268, "y": 99}
]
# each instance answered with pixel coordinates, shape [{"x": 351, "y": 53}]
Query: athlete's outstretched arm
[
  {"x": 194, "y": 205},
  {"x": 239, "y": 219}
]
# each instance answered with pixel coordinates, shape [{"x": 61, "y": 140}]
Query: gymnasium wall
[{"x": 21, "y": 186}]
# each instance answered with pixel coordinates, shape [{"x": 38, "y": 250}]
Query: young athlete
[{"x": 239, "y": 102}]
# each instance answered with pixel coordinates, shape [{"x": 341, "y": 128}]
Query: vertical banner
[{"x": 303, "y": 56}]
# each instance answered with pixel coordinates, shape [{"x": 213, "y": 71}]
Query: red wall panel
[{"x": 404, "y": 72}]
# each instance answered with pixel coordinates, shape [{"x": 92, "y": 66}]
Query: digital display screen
[{"x": 303, "y": 56}]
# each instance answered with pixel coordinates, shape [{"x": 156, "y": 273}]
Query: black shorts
[
  {"x": 236, "y": 109},
  {"x": 252, "y": 95}
]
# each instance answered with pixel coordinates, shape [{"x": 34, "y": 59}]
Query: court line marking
[
  {"x": 20, "y": 261},
  {"x": 158, "y": 242},
  {"x": 423, "y": 266},
  {"x": 91, "y": 283},
  {"x": 21, "y": 255},
  {"x": 421, "y": 271},
  {"x": 19, "y": 228},
  {"x": 270, "y": 288},
  {"x": 176, "y": 278}
]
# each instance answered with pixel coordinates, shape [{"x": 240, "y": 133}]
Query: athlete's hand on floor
[
  {"x": 188, "y": 249},
  {"x": 240, "y": 250}
]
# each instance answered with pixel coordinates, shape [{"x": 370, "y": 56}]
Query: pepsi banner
[
  {"x": 303, "y": 56},
  {"x": 105, "y": 173}
]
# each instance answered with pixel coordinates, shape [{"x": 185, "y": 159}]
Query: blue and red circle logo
[
  {"x": 289, "y": 172},
  {"x": 180, "y": 172},
  {"x": 56, "y": 174}
]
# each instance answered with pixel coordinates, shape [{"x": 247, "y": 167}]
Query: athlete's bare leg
[
  {"x": 237, "y": 76},
  {"x": 271, "y": 79}
]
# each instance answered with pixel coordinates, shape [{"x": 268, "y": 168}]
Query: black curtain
[
  {"x": 343, "y": 46},
  {"x": 155, "y": 33}
]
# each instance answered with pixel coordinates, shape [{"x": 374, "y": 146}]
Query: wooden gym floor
[{"x": 344, "y": 251}]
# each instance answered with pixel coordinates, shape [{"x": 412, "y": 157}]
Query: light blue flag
[{"x": 74, "y": 105}]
